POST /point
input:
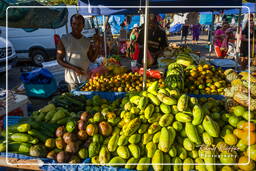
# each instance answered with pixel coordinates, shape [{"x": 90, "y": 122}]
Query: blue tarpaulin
[
  {"x": 205, "y": 19},
  {"x": 136, "y": 4},
  {"x": 251, "y": 6},
  {"x": 37, "y": 76},
  {"x": 53, "y": 167},
  {"x": 176, "y": 28}
]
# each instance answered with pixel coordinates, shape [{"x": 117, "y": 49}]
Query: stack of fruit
[
  {"x": 27, "y": 138},
  {"x": 175, "y": 77},
  {"x": 205, "y": 79},
  {"x": 155, "y": 124},
  {"x": 239, "y": 88},
  {"x": 127, "y": 82},
  {"x": 70, "y": 102},
  {"x": 174, "y": 50}
]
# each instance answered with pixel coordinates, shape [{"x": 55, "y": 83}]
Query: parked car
[
  {"x": 10, "y": 57},
  {"x": 39, "y": 45}
]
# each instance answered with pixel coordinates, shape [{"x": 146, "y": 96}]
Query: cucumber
[
  {"x": 49, "y": 115},
  {"x": 21, "y": 127},
  {"x": 37, "y": 134},
  {"x": 19, "y": 147},
  {"x": 21, "y": 137}
]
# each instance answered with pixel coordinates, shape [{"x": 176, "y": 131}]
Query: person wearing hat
[
  {"x": 157, "y": 41},
  {"x": 133, "y": 47}
]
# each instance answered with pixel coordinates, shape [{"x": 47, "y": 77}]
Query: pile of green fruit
[
  {"x": 175, "y": 77},
  {"x": 27, "y": 138},
  {"x": 69, "y": 101},
  {"x": 55, "y": 115},
  {"x": 162, "y": 126}
]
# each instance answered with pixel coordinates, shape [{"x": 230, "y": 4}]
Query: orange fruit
[
  {"x": 245, "y": 138},
  {"x": 248, "y": 126},
  {"x": 238, "y": 133},
  {"x": 248, "y": 167}
]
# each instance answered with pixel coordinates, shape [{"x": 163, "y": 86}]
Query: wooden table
[{"x": 19, "y": 162}]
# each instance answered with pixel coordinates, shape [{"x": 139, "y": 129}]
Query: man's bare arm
[{"x": 60, "y": 58}]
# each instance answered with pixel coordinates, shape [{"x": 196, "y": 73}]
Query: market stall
[{"x": 110, "y": 120}]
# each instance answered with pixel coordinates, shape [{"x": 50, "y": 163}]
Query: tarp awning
[
  {"x": 184, "y": 4},
  {"x": 46, "y": 17}
]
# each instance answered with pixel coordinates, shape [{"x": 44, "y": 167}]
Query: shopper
[
  {"x": 245, "y": 43},
  {"x": 133, "y": 47},
  {"x": 75, "y": 53},
  {"x": 157, "y": 41},
  {"x": 184, "y": 33},
  {"x": 122, "y": 39},
  {"x": 196, "y": 30},
  {"x": 219, "y": 36}
]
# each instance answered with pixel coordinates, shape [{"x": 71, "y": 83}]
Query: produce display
[
  {"x": 127, "y": 82},
  {"x": 205, "y": 79},
  {"x": 159, "y": 125},
  {"x": 175, "y": 77},
  {"x": 239, "y": 88}
]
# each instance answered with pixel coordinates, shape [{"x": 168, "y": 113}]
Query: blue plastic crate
[
  {"x": 217, "y": 97},
  {"x": 12, "y": 120},
  {"x": 111, "y": 96},
  {"x": 41, "y": 90}
]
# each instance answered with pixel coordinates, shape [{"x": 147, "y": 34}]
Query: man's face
[{"x": 77, "y": 25}]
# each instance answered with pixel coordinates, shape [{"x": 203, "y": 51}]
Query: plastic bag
[
  {"x": 37, "y": 76},
  {"x": 150, "y": 59},
  {"x": 151, "y": 73},
  {"x": 98, "y": 71}
]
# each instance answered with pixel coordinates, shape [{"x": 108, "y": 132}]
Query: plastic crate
[
  {"x": 12, "y": 120},
  {"x": 111, "y": 96},
  {"x": 41, "y": 90},
  {"x": 217, "y": 97}
]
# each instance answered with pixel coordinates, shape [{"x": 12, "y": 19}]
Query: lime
[
  {"x": 71, "y": 126},
  {"x": 233, "y": 120},
  {"x": 238, "y": 110},
  {"x": 226, "y": 157},
  {"x": 230, "y": 139}
]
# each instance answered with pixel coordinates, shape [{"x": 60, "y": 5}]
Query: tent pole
[
  {"x": 105, "y": 37},
  {"x": 145, "y": 46},
  {"x": 210, "y": 39},
  {"x": 238, "y": 40}
]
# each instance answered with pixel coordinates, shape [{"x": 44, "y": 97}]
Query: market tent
[
  {"x": 251, "y": 6},
  {"x": 136, "y": 4},
  {"x": 86, "y": 9},
  {"x": 45, "y": 17}
]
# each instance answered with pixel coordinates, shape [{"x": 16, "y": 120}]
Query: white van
[
  {"x": 11, "y": 55},
  {"x": 36, "y": 45}
]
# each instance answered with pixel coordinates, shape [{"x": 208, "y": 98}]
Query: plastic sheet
[
  {"x": 217, "y": 97},
  {"x": 111, "y": 96},
  {"x": 64, "y": 167},
  {"x": 37, "y": 76}
]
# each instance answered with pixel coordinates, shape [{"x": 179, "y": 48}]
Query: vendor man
[
  {"x": 74, "y": 53},
  {"x": 157, "y": 40}
]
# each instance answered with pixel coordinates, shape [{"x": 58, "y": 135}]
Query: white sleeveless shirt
[{"x": 76, "y": 54}]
